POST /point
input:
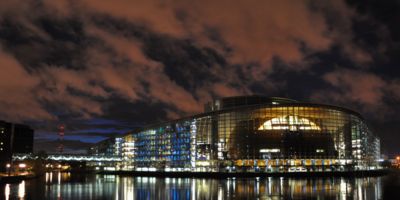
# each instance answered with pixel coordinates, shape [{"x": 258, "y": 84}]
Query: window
[{"x": 289, "y": 122}]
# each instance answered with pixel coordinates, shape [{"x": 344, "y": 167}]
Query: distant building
[
  {"x": 108, "y": 147},
  {"x": 19, "y": 142}
]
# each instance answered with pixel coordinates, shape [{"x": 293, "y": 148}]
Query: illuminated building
[
  {"x": 108, "y": 147},
  {"x": 256, "y": 133},
  {"x": 14, "y": 138}
]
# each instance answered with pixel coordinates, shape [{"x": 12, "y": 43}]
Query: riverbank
[
  {"x": 12, "y": 178},
  {"x": 249, "y": 174},
  {"x": 17, "y": 178}
]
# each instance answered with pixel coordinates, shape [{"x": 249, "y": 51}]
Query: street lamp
[{"x": 8, "y": 166}]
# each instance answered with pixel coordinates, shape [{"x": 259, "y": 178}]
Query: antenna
[{"x": 61, "y": 129}]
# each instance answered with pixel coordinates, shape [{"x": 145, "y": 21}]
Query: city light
[{"x": 313, "y": 137}]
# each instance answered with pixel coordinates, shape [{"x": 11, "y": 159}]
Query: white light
[
  {"x": 7, "y": 191},
  {"x": 203, "y": 163},
  {"x": 152, "y": 169},
  {"x": 21, "y": 190},
  {"x": 289, "y": 122},
  {"x": 270, "y": 150},
  {"x": 109, "y": 168},
  {"x": 22, "y": 165}
]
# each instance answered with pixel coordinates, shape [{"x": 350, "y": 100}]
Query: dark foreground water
[{"x": 90, "y": 186}]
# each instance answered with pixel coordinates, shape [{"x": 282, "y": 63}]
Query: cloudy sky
[{"x": 104, "y": 67}]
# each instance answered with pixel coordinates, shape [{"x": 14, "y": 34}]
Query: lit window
[
  {"x": 270, "y": 150},
  {"x": 289, "y": 122}
]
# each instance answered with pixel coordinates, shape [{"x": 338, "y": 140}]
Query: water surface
[{"x": 90, "y": 186}]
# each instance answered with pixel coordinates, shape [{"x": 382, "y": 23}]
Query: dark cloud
[
  {"x": 70, "y": 146},
  {"x": 57, "y": 42},
  {"x": 103, "y": 67}
]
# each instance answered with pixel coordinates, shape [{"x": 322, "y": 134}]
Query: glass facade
[{"x": 266, "y": 134}]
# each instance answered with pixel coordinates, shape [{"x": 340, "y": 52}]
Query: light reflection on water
[{"x": 89, "y": 186}]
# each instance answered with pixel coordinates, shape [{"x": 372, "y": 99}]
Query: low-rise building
[{"x": 14, "y": 138}]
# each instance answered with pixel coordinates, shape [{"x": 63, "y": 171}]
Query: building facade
[
  {"x": 14, "y": 138},
  {"x": 108, "y": 147},
  {"x": 255, "y": 133}
]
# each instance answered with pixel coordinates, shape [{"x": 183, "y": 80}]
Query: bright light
[
  {"x": 22, "y": 165},
  {"x": 7, "y": 192},
  {"x": 21, "y": 190},
  {"x": 8, "y": 165},
  {"x": 109, "y": 168},
  {"x": 398, "y": 158},
  {"x": 289, "y": 122},
  {"x": 270, "y": 150},
  {"x": 203, "y": 163}
]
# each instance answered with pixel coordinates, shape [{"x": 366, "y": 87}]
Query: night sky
[{"x": 105, "y": 67}]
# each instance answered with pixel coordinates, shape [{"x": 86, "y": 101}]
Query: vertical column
[
  {"x": 193, "y": 150},
  {"x": 61, "y": 129},
  {"x": 214, "y": 140}
]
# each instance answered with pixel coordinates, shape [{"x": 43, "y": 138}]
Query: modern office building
[
  {"x": 14, "y": 138},
  {"x": 109, "y": 147},
  {"x": 255, "y": 133}
]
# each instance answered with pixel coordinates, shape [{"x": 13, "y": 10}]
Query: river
[{"x": 91, "y": 186}]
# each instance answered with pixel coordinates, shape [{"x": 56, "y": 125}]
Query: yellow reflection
[
  {"x": 7, "y": 192},
  {"x": 128, "y": 188},
  {"x": 21, "y": 190},
  {"x": 59, "y": 185},
  {"x": 289, "y": 122}
]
